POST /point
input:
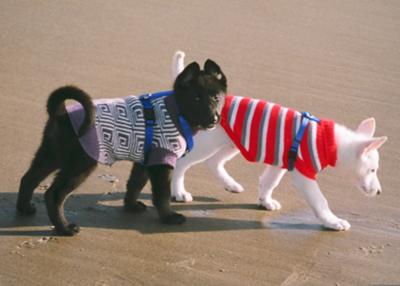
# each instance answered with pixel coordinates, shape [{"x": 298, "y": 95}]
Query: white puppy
[{"x": 352, "y": 152}]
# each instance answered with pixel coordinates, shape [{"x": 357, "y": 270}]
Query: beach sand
[{"x": 336, "y": 59}]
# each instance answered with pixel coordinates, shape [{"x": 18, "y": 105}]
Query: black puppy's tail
[{"x": 56, "y": 106}]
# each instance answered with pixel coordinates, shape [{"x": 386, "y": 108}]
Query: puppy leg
[
  {"x": 42, "y": 165},
  {"x": 66, "y": 181},
  {"x": 269, "y": 180},
  {"x": 160, "y": 177},
  {"x": 318, "y": 202},
  {"x": 206, "y": 144},
  {"x": 137, "y": 181},
  {"x": 216, "y": 164},
  {"x": 179, "y": 192}
]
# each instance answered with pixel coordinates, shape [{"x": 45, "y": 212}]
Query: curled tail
[
  {"x": 178, "y": 63},
  {"x": 56, "y": 106}
]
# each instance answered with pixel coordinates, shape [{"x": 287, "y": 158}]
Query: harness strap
[
  {"x": 150, "y": 120},
  {"x": 187, "y": 132},
  {"x": 306, "y": 117},
  {"x": 149, "y": 117}
]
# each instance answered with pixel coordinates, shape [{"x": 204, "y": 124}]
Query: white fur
[
  {"x": 357, "y": 157},
  {"x": 178, "y": 64}
]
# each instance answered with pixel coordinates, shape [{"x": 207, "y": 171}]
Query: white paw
[
  {"x": 182, "y": 197},
  {"x": 269, "y": 204},
  {"x": 234, "y": 187},
  {"x": 337, "y": 224}
]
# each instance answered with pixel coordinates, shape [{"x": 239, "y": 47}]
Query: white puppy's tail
[{"x": 178, "y": 63}]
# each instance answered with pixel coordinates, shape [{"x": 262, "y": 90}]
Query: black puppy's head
[{"x": 200, "y": 94}]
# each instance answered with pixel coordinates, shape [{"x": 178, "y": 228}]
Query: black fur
[
  {"x": 207, "y": 87},
  {"x": 197, "y": 93}
]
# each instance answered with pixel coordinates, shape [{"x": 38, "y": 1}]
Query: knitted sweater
[
  {"x": 119, "y": 131},
  {"x": 264, "y": 132}
]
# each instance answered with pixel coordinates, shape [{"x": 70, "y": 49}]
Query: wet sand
[{"x": 336, "y": 59}]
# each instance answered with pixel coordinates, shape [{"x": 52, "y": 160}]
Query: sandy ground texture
[{"x": 336, "y": 59}]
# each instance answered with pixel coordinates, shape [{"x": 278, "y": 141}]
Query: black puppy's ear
[
  {"x": 191, "y": 72},
  {"x": 211, "y": 68}
]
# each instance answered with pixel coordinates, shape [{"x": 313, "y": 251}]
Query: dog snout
[{"x": 214, "y": 120}]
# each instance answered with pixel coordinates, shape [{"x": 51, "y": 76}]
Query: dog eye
[
  {"x": 372, "y": 170},
  {"x": 197, "y": 98},
  {"x": 214, "y": 98}
]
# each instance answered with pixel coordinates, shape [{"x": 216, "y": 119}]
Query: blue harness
[
  {"x": 305, "y": 119},
  {"x": 150, "y": 118}
]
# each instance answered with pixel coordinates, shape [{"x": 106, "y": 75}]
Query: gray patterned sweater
[{"x": 119, "y": 131}]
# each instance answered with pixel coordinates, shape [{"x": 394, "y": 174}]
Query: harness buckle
[
  {"x": 292, "y": 156},
  {"x": 149, "y": 115},
  {"x": 309, "y": 116}
]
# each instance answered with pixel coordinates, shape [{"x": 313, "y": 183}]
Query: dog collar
[{"x": 149, "y": 116}]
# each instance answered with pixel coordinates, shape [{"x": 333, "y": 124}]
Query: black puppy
[{"x": 198, "y": 95}]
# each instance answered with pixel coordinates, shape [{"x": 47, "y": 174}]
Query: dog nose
[
  {"x": 216, "y": 118},
  {"x": 378, "y": 192}
]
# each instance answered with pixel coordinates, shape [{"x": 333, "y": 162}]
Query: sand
[{"x": 336, "y": 59}]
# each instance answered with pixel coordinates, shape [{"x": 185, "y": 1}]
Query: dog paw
[
  {"x": 71, "y": 230},
  {"x": 137, "y": 207},
  {"x": 269, "y": 204},
  {"x": 173, "y": 218},
  {"x": 182, "y": 197},
  {"x": 27, "y": 209},
  {"x": 234, "y": 187},
  {"x": 338, "y": 224}
]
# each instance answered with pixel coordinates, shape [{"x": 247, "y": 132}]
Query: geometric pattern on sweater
[
  {"x": 119, "y": 132},
  {"x": 264, "y": 132}
]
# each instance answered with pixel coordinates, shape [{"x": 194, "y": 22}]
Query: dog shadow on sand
[{"x": 106, "y": 211}]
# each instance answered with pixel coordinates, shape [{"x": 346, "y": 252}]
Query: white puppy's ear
[
  {"x": 367, "y": 127},
  {"x": 372, "y": 144}
]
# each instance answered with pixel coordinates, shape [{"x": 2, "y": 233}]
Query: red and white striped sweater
[{"x": 264, "y": 132}]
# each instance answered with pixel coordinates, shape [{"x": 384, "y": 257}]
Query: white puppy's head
[{"x": 367, "y": 163}]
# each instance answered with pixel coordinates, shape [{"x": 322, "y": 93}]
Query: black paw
[
  {"x": 173, "y": 218},
  {"x": 27, "y": 209},
  {"x": 137, "y": 207},
  {"x": 70, "y": 230}
]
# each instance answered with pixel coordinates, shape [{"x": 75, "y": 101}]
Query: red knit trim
[
  {"x": 330, "y": 143},
  {"x": 225, "y": 110},
  {"x": 225, "y": 124}
]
